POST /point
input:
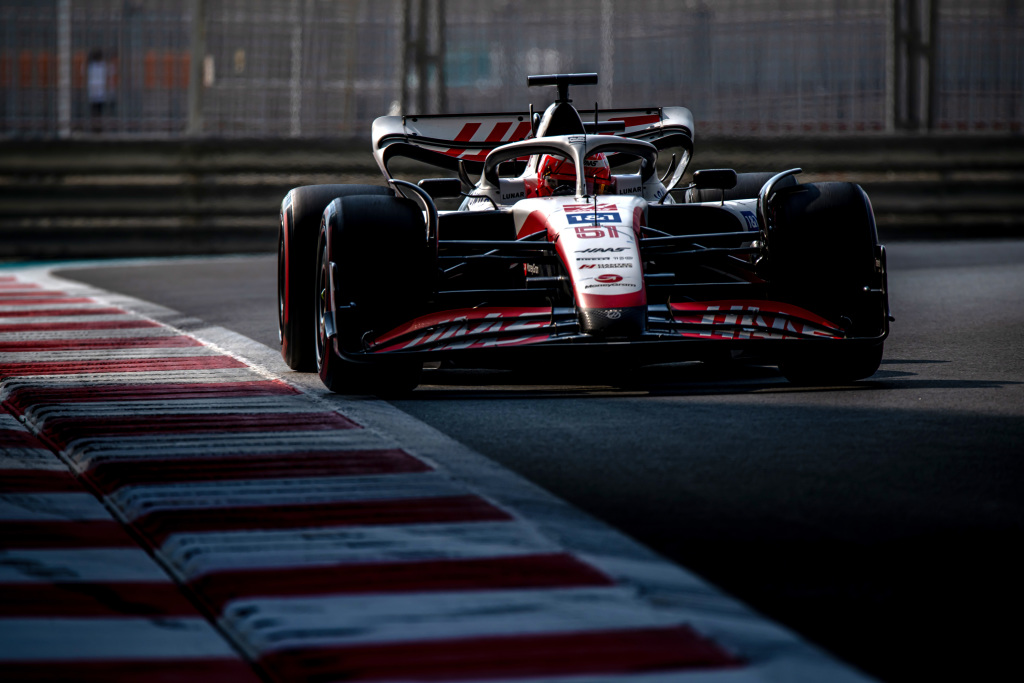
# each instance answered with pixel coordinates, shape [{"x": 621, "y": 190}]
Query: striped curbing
[
  {"x": 334, "y": 538},
  {"x": 79, "y": 599}
]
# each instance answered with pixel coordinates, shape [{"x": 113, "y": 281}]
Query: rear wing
[{"x": 448, "y": 141}]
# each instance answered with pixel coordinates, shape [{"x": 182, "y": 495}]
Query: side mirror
[
  {"x": 714, "y": 179},
  {"x": 442, "y": 188},
  {"x": 511, "y": 169}
]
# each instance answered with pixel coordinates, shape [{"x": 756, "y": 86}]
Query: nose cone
[{"x": 613, "y": 322}]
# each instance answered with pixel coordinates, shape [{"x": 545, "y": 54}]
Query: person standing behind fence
[{"x": 96, "y": 86}]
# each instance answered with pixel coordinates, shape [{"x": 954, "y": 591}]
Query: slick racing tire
[
  {"x": 301, "y": 211},
  {"x": 823, "y": 255},
  {"x": 748, "y": 186},
  {"x": 382, "y": 270}
]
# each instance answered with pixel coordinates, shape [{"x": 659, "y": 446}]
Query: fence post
[
  {"x": 295, "y": 80},
  {"x": 607, "y": 75},
  {"x": 423, "y": 56},
  {"x": 915, "y": 28},
  {"x": 440, "y": 55},
  {"x": 403, "y": 69},
  {"x": 64, "y": 68},
  {"x": 932, "y": 65},
  {"x": 195, "y": 68},
  {"x": 891, "y": 23}
]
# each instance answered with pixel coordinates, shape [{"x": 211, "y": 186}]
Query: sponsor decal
[
  {"x": 609, "y": 280},
  {"x": 593, "y": 218},
  {"x": 613, "y": 314},
  {"x": 601, "y": 250},
  {"x": 498, "y": 134},
  {"x": 747, "y": 322},
  {"x": 751, "y": 219},
  {"x": 596, "y": 232},
  {"x": 642, "y": 120},
  {"x": 514, "y": 195},
  {"x": 577, "y": 138},
  {"x": 569, "y": 208},
  {"x": 589, "y": 233},
  {"x": 451, "y": 330},
  {"x": 604, "y": 265},
  {"x": 593, "y": 258}
]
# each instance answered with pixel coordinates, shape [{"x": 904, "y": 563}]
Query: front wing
[{"x": 675, "y": 331}]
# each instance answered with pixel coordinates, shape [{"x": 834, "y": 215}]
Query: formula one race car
[{"x": 571, "y": 242}]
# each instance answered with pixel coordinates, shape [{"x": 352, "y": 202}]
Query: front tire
[
  {"x": 383, "y": 271},
  {"x": 823, "y": 255},
  {"x": 301, "y": 211}
]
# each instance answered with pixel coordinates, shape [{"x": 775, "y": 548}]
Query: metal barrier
[
  {"x": 327, "y": 68},
  {"x": 107, "y": 198}
]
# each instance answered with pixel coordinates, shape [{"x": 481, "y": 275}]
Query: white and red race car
[{"x": 572, "y": 242}]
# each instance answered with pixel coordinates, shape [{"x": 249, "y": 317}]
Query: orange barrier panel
[
  {"x": 78, "y": 70},
  {"x": 168, "y": 60},
  {"x": 25, "y": 69},
  {"x": 149, "y": 69},
  {"x": 184, "y": 68},
  {"x": 46, "y": 74}
]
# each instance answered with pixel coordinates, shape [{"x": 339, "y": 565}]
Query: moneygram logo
[{"x": 608, "y": 277}]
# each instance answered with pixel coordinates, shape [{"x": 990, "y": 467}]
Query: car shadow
[{"x": 677, "y": 379}]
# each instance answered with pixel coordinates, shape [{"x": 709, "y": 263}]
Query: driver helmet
[{"x": 557, "y": 175}]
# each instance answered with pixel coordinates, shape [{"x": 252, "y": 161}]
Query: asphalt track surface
[{"x": 882, "y": 520}]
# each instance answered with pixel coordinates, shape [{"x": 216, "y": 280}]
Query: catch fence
[{"x": 327, "y": 68}]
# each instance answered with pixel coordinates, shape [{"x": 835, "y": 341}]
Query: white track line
[
  {"x": 272, "y": 624},
  {"x": 201, "y": 553},
  {"x": 72, "y": 335},
  {"x": 85, "y": 639},
  {"x": 134, "y": 378},
  {"x": 83, "y": 451},
  {"x": 42, "y": 507},
  {"x": 33, "y": 565},
  {"x": 106, "y": 354},
  {"x": 135, "y": 501},
  {"x": 254, "y": 405}
]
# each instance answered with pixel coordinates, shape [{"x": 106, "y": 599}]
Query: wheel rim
[
  {"x": 322, "y": 281},
  {"x": 280, "y": 287}
]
